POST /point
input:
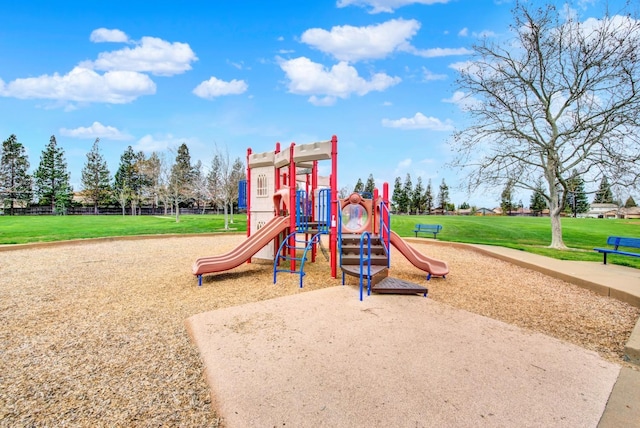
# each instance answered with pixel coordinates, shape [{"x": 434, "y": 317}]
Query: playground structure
[{"x": 290, "y": 207}]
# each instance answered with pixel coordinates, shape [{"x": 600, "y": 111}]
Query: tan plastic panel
[
  {"x": 312, "y": 151},
  {"x": 257, "y": 160},
  {"x": 281, "y": 159}
]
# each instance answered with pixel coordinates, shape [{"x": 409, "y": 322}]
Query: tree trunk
[
  {"x": 177, "y": 213},
  {"x": 226, "y": 217},
  {"x": 231, "y": 212},
  {"x": 555, "y": 209}
]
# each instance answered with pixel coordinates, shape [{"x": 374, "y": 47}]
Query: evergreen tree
[
  {"x": 417, "y": 198},
  {"x": 506, "y": 199},
  {"x": 443, "y": 195},
  {"x": 428, "y": 198},
  {"x": 577, "y": 201},
  {"x": 141, "y": 183},
  {"x": 52, "y": 179},
  {"x": 464, "y": 206},
  {"x": 398, "y": 198},
  {"x": 181, "y": 178},
  {"x": 370, "y": 186},
  {"x": 630, "y": 203},
  {"x": 538, "y": 203},
  {"x": 407, "y": 191},
  {"x": 199, "y": 186},
  {"x": 215, "y": 182},
  {"x": 151, "y": 169},
  {"x": 359, "y": 187},
  {"x": 15, "y": 182},
  {"x": 126, "y": 180},
  {"x": 603, "y": 194},
  {"x": 95, "y": 178}
]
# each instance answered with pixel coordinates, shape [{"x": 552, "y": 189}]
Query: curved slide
[
  {"x": 244, "y": 251},
  {"x": 432, "y": 266}
]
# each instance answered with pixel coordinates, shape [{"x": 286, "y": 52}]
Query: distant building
[
  {"x": 633, "y": 212},
  {"x": 601, "y": 211},
  {"x": 485, "y": 211}
]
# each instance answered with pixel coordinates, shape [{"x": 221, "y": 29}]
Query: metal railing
[{"x": 365, "y": 257}]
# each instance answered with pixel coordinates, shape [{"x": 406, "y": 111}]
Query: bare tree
[
  {"x": 199, "y": 186},
  {"x": 562, "y": 95},
  {"x": 222, "y": 182}
]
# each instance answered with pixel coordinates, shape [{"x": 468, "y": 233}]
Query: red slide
[
  {"x": 244, "y": 251},
  {"x": 432, "y": 266}
]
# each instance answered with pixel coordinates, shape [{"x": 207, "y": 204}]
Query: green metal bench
[{"x": 427, "y": 228}]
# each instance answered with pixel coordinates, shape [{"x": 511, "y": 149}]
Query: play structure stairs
[
  {"x": 354, "y": 256},
  {"x": 351, "y": 256},
  {"x": 391, "y": 285}
]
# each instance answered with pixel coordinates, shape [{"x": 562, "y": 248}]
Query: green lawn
[
  {"x": 531, "y": 234},
  {"x": 24, "y": 229}
]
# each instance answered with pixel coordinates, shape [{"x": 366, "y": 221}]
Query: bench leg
[{"x": 605, "y": 258}]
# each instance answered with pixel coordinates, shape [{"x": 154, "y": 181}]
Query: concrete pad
[{"x": 324, "y": 358}]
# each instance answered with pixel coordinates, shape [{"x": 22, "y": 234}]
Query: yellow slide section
[
  {"x": 419, "y": 260},
  {"x": 244, "y": 251}
]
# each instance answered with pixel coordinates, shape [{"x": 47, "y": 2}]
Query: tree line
[
  {"x": 418, "y": 199},
  {"x": 140, "y": 180},
  {"x": 408, "y": 199}
]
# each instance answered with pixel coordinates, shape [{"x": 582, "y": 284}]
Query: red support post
[
  {"x": 248, "y": 196},
  {"x": 333, "y": 235},
  {"x": 292, "y": 207},
  {"x": 375, "y": 221},
  {"x": 314, "y": 214},
  {"x": 276, "y": 187},
  {"x": 276, "y": 184}
]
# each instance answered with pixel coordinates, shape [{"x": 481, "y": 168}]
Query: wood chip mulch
[{"x": 93, "y": 334}]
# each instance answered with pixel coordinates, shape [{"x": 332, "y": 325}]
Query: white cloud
[
  {"x": 342, "y": 80},
  {"x": 82, "y": 85},
  {"x": 322, "y": 102},
  {"x": 163, "y": 143},
  {"x": 463, "y": 101},
  {"x": 464, "y": 32},
  {"x": 430, "y": 76},
  {"x": 419, "y": 121},
  {"x": 348, "y": 43},
  {"x": 150, "y": 55},
  {"x": 215, "y": 88},
  {"x": 96, "y": 130},
  {"x": 102, "y": 35},
  {"x": 388, "y": 6},
  {"x": 438, "y": 52},
  {"x": 484, "y": 34},
  {"x": 405, "y": 163},
  {"x": 464, "y": 66}
]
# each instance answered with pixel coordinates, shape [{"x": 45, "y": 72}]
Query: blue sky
[{"x": 379, "y": 74}]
